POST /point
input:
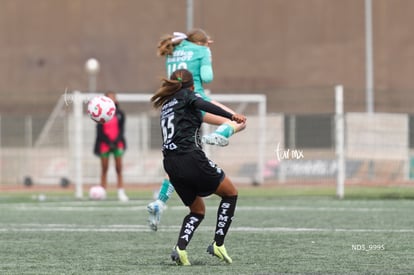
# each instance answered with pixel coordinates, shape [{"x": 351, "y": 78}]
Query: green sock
[
  {"x": 165, "y": 191},
  {"x": 225, "y": 130}
]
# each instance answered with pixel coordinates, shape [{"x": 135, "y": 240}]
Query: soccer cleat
[
  {"x": 155, "y": 209},
  {"x": 122, "y": 196},
  {"x": 215, "y": 139},
  {"x": 220, "y": 252},
  {"x": 180, "y": 256}
]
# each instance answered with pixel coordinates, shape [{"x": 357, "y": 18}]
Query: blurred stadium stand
[{"x": 284, "y": 48}]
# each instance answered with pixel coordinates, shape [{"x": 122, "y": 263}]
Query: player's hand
[{"x": 239, "y": 118}]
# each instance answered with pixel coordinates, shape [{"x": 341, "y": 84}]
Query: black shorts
[{"x": 193, "y": 174}]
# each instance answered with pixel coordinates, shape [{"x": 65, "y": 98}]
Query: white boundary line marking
[
  {"x": 92, "y": 206},
  {"x": 33, "y": 227},
  {"x": 45, "y": 207}
]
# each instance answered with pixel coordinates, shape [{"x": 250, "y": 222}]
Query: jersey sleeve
[
  {"x": 206, "y": 73},
  {"x": 206, "y": 68},
  {"x": 208, "y": 107}
]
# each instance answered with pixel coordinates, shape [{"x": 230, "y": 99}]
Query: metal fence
[{"x": 298, "y": 149}]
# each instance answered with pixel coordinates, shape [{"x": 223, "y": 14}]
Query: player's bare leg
[
  {"x": 226, "y": 129},
  {"x": 104, "y": 171},
  {"x": 120, "y": 181}
]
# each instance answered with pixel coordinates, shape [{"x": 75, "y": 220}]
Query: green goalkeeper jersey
[{"x": 196, "y": 59}]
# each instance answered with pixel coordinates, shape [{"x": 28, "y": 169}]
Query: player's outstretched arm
[{"x": 216, "y": 110}]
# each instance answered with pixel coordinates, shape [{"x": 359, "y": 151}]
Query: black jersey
[{"x": 181, "y": 119}]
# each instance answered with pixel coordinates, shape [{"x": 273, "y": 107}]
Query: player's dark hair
[{"x": 179, "y": 79}]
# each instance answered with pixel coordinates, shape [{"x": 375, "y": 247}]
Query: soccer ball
[
  {"x": 97, "y": 192},
  {"x": 101, "y": 109}
]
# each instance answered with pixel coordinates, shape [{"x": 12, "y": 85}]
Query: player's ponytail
[{"x": 180, "y": 79}]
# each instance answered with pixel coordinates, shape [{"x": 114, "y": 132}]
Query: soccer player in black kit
[{"x": 191, "y": 173}]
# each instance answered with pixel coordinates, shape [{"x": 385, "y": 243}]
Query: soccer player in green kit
[
  {"x": 192, "y": 174},
  {"x": 191, "y": 51}
]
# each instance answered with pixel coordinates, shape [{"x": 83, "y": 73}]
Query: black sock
[
  {"x": 190, "y": 224},
  {"x": 225, "y": 215}
]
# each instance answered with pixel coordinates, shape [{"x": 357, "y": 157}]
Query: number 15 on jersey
[{"x": 168, "y": 132}]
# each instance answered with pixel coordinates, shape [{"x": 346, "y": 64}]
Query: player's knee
[{"x": 232, "y": 193}]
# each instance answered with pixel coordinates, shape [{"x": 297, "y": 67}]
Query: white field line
[
  {"x": 33, "y": 227},
  {"x": 48, "y": 207}
]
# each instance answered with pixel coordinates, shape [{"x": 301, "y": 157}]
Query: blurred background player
[
  {"x": 110, "y": 139},
  {"x": 191, "y": 51},
  {"x": 192, "y": 174}
]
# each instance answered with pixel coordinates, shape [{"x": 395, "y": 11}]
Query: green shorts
[{"x": 118, "y": 152}]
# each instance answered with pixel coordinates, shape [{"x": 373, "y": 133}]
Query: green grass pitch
[{"x": 275, "y": 231}]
